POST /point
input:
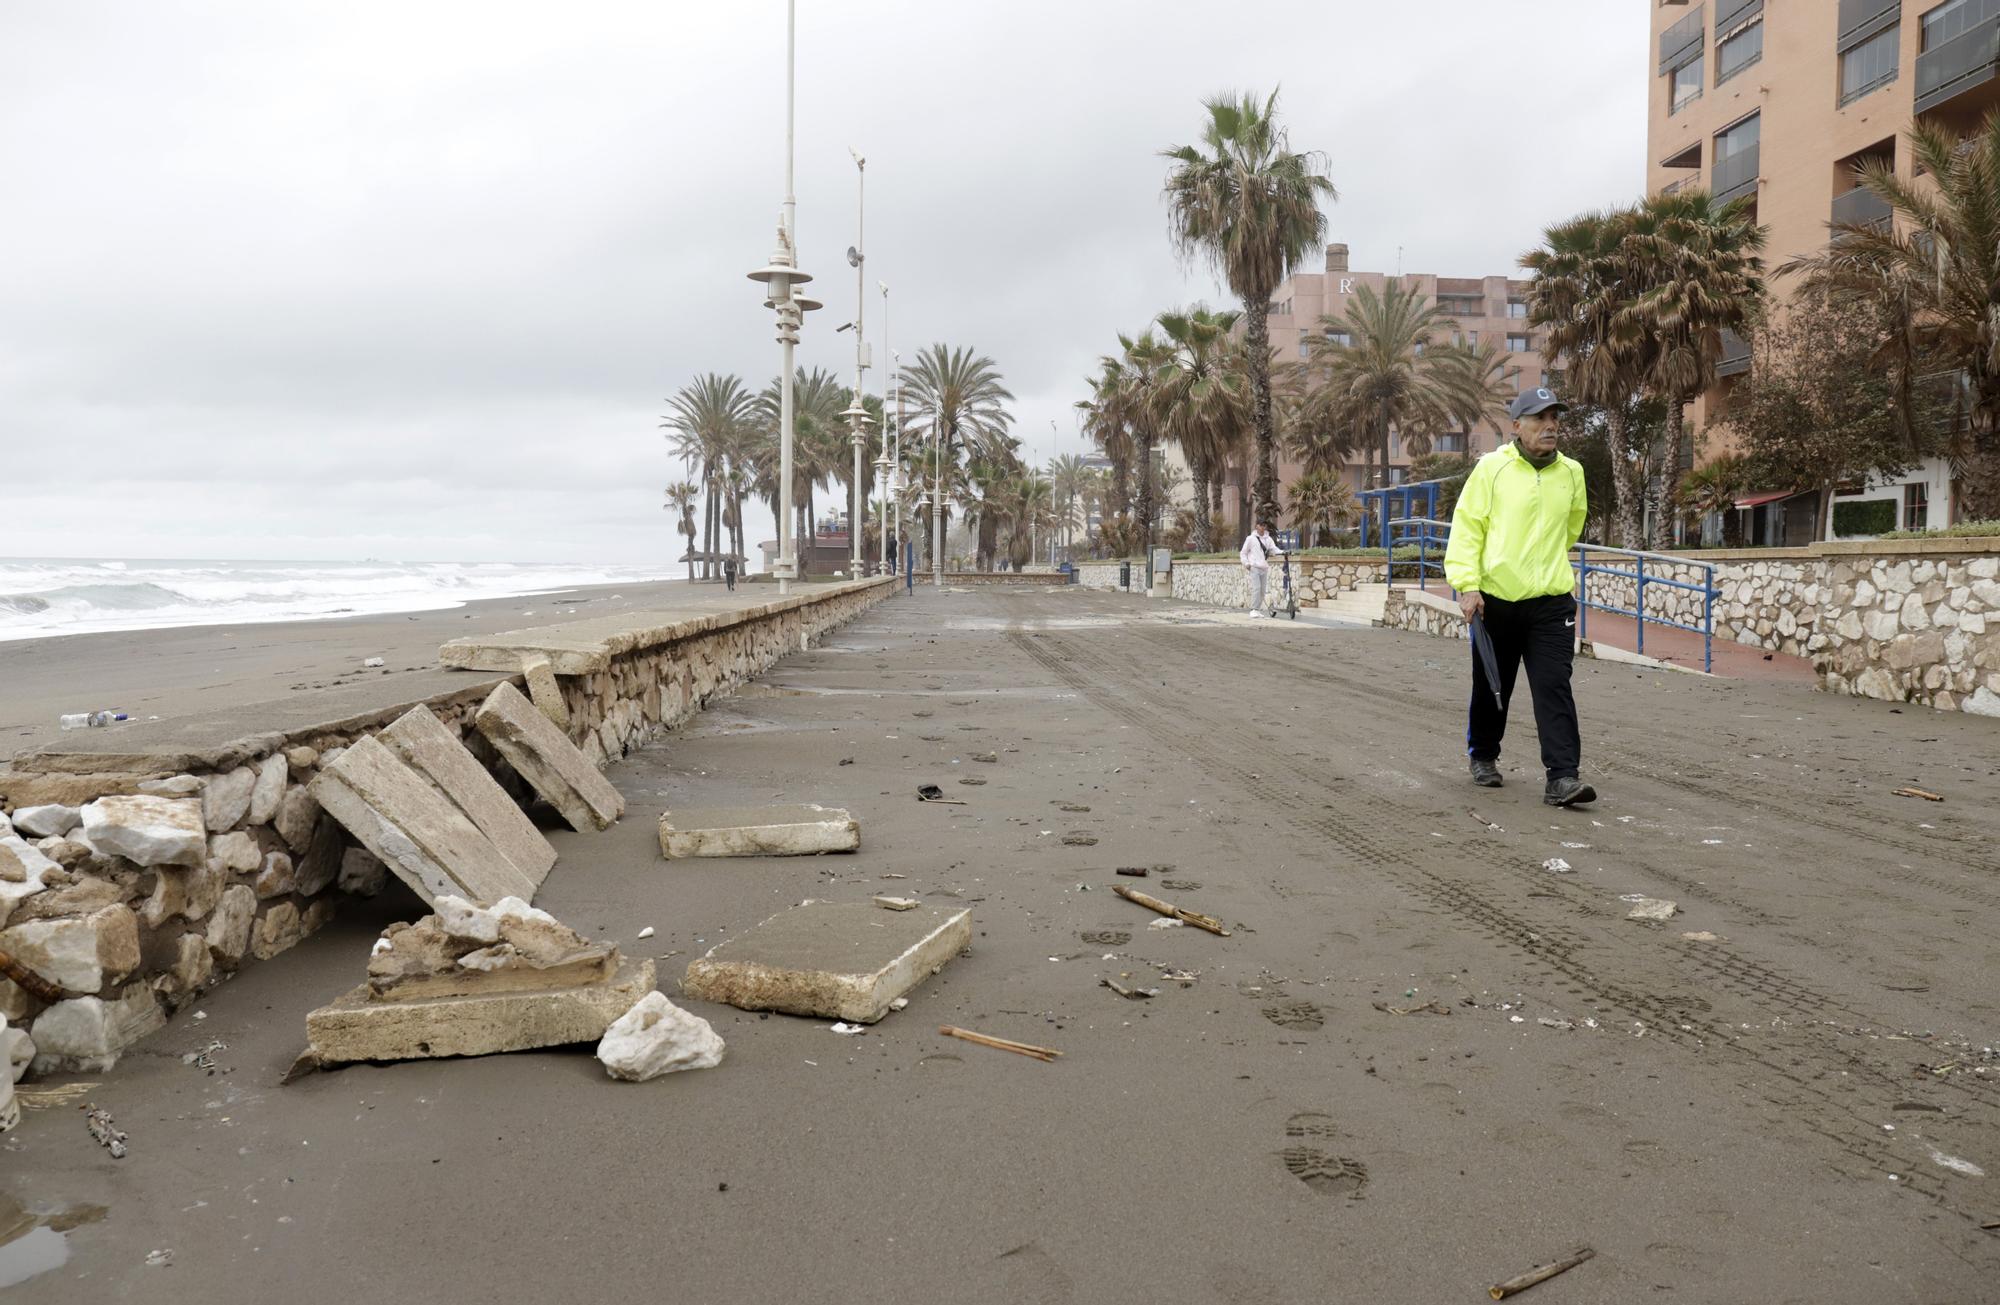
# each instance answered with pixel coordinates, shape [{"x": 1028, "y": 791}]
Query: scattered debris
[
  {"x": 372, "y": 662},
  {"x": 1542, "y": 1273},
  {"x": 656, "y": 1037},
  {"x": 162, "y": 1259},
  {"x": 841, "y": 1026},
  {"x": 1168, "y": 924},
  {"x": 988, "y": 757},
  {"x": 1702, "y": 935},
  {"x": 205, "y": 1058},
  {"x": 1135, "y": 871},
  {"x": 1548, "y": 1023},
  {"x": 106, "y": 1133},
  {"x": 1431, "y": 1007},
  {"x": 932, "y": 793},
  {"x": 1151, "y": 903},
  {"x": 897, "y": 903},
  {"x": 646, "y": 932},
  {"x": 1649, "y": 908},
  {"x": 1956, "y": 1165},
  {"x": 1916, "y": 792},
  {"x": 1491, "y": 828},
  {"x": 1079, "y": 840},
  {"x": 1043, "y": 1054},
  {"x": 1556, "y": 864},
  {"x": 899, "y": 1004},
  {"x": 1073, "y": 807},
  {"x": 1129, "y": 994}
]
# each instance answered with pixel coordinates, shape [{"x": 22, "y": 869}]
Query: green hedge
[{"x": 1875, "y": 516}]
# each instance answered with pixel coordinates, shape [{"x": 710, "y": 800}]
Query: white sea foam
[{"x": 45, "y": 596}]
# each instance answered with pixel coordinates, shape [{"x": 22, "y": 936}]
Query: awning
[{"x": 1759, "y": 500}]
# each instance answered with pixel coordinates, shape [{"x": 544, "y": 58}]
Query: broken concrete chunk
[
  {"x": 147, "y": 831},
  {"x": 437, "y": 756},
  {"x": 535, "y": 748},
  {"x": 82, "y": 955},
  {"x": 86, "y": 1035},
  {"x": 465, "y": 949},
  {"x": 898, "y": 903},
  {"x": 657, "y": 1037},
  {"x": 225, "y": 799},
  {"x": 801, "y": 830},
  {"x": 845, "y": 960},
  {"x": 359, "y": 1027},
  {"x": 269, "y": 789},
  {"x": 51, "y": 820},
  {"x": 1650, "y": 908},
  {"x": 544, "y": 691},
  {"x": 426, "y": 841}
]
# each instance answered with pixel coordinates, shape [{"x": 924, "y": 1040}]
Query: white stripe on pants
[{"x": 1258, "y": 576}]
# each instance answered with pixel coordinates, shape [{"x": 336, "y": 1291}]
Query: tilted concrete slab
[
  {"x": 836, "y": 960},
  {"x": 424, "y": 840},
  {"x": 533, "y": 746},
  {"x": 805, "y": 829},
  {"x": 356, "y": 1027},
  {"x": 581, "y": 647},
  {"x": 435, "y": 754}
]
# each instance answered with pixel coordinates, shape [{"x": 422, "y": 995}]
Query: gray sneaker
[
  {"x": 1485, "y": 773},
  {"x": 1569, "y": 791}
]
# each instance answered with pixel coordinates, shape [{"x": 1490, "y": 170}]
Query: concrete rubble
[
  {"x": 149, "y": 831},
  {"x": 543, "y": 690},
  {"x": 836, "y": 960},
  {"x": 473, "y": 980},
  {"x": 805, "y": 829},
  {"x": 436, "y": 755},
  {"x": 424, "y": 839},
  {"x": 51, "y": 820},
  {"x": 536, "y": 749},
  {"x": 657, "y": 1037}
]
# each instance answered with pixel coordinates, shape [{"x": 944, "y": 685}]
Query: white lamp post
[{"x": 856, "y": 413}]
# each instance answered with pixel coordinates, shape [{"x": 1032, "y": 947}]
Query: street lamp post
[
  {"x": 857, "y": 412},
  {"x": 887, "y": 458}
]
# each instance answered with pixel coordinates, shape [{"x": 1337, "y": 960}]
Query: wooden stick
[
  {"x": 1914, "y": 791},
  {"x": 1000, "y": 1044},
  {"x": 1152, "y": 903},
  {"x": 1502, "y": 1290},
  {"x": 31, "y": 983}
]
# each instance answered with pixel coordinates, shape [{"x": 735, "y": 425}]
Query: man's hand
[{"x": 1472, "y": 603}]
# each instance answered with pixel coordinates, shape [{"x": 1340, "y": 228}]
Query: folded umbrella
[{"x": 1482, "y": 644}]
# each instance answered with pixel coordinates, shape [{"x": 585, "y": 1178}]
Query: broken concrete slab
[
  {"x": 426, "y": 841},
  {"x": 836, "y": 960},
  {"x": 356, "y": 1027},
  {"x": 468, "y": 950},
  {"x": 804, "y": 829},
  {"x": 543, "y": 690},
  {"x": 436, "y": 754},
  {"x": 538, "y": 750}
]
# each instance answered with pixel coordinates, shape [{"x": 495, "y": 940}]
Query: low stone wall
[
  {"x": 1104, "y": 575},
  {"x": 130, "y": 941},
  {"x": 1421, "y": 612},
  {"x": 1224, "y": 584},
  {"x": 1016, "y": 579}
]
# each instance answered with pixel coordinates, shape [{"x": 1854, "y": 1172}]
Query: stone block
[
  {"x": 657, "y": 1037},
  {"x": 235, "y": 851},
  {"x": 301, "y": 758},
  {"x": 544, "y": 691},
  {"x": 535, "y": 748},
  {"x": 835, "y": 960},
  {"x": 86, "y": 1035},
  {"x": 82, "y": 954},
  {"x": 321, "y": 862},
  {"x": 436, "y": 755},
  {"x": 193, "y": 967},
  {"x": 278, "y": 931},
  {"x": 269, "y": 789},
  {"x": 297, "y": 814},
  {"x": 275, "y": 877},
  {"x": 51, "y": 820},
  {"x": 229, "y": 928},
  {"x": 89, "y": 893},
  {"x": 424, "y": 840},
  {"x": 188, "y": 893},
  {"x": 802, "y": 830},
  {"x": 147, "y": 830},
  {"x": 225, "y": 799},
  {"x": 358, "y": 1028}
]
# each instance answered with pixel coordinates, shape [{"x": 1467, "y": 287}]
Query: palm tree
[
  {"x": 681, "y": 497},
  {"x": 708, "y": 418},
  {"x": 959, "y": 398},
  {"x": 1395, "y": 374},
  {"x": 1584, "y": 292},
  {"x": 1320, "y": 500},
  {"x": 1202, "y": 398},
  {"x": 1702, "y": 276},
  {"x": 1139, "y": 366},
  {"x": 1713, "y": 489},
  {"x": 1067, "y": 480},
  {"x": 1250, "y": 205},
  {"x": 819, "y": 435},
  {"x": 1108, "y": 424},
  {"x": 1936, "y": 270}
]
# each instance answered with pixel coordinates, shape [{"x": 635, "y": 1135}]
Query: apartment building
[{"x": 1776, "y": 102}]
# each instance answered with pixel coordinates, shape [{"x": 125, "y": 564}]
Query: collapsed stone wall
[{"x": 133, "y": 908}]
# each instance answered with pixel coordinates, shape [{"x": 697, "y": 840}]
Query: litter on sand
[
  {"x": 932, "y": 793},
  {"x": 896, "y": 903},
  {"x": 1541, "y": 1273},
  {"x": 1556, "y": 864},
  {"x": 1650, "y": 908},
  {"x": 844, "y": 1027},
  {"x": 1915, "y": 792},
  {"x": 1151, "y": 903},
  {"x": 107, "y": 1134},
  {"x": 1431, "y": 1007},
  {"x": 1044, "y": 1054}
]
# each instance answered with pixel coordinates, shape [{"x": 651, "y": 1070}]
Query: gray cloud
[{"x": 337, "y": 280}]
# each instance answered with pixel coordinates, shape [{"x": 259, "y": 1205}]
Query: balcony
[
  {"x": 1736, "y": 176},
  {"x": 1958, "y": 65},
  {"x": 1676, "y": 187},
  {"x": 1735, "y": 355},
  {"x": 1861, "y": 19},
  {"x": 1729, "y": 14},
  {"x": 1681, "y": 39},
  {"x": 1861, "y": 207}
]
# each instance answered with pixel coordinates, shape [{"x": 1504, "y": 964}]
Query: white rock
[
  {"x": 235, "y": 851},
  {"x": 50, "y": 821},
  {"x": 10, "y": 1109},
  {"x": 225, "y": 799},
  {"x": 1983, "y": 702},
  {"x": 17, "y": 1051},
  {"x": 461, "y": 919},
  {"x": 82, "y": 954},
  {"x": 275, "y": 878},
  {"x": 229, "y": 928},
  {"x": 362, "y": 872},
  {"x": 147, "y": 830},
  {"x": 178, "y": 786},
  {"x": 269, "y": 789},
  {"x": 296, "y": 814},
  {"x": 87, "y": 1035},
  {"x": 657, "y": 1037},
  {"x": 1651, "y": 908}
]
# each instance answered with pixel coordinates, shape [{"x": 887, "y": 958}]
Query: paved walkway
[{"x": 1732, "y": 660}]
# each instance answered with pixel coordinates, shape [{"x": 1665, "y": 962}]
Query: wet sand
[{"x": 1755, "y": 1116}]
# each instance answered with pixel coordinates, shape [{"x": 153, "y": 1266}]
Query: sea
[{"x": 47, "y": 596}]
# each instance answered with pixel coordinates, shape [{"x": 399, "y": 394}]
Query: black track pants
[{"x": 1542, "y": 633}]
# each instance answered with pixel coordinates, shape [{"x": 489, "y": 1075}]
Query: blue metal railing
[
  {"x": 1636, "y": 573},
  {"x": 1411, "y": 499},
  {"x": 1432, "y": 537}
]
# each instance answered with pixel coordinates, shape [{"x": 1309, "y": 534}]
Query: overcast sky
[{"x": 413, "y": 280}]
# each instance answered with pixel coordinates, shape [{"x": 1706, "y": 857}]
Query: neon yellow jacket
[{"x": 1512, "y": 529}]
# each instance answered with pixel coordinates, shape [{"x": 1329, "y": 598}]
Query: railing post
[
  {"x": 1639, "y": 603},
  {"x": 1708, "y": 622},
  {"x": 1583, "y": 592}
]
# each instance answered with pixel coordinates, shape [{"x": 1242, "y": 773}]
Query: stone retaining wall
[
  {"x": 969, "y": 579},
  {"x": 130, "y": 941},
  {"x": 1423, "y": 613},
  {"x": 1224, "y": 584},
  {"x": 1104, "y": 575}
]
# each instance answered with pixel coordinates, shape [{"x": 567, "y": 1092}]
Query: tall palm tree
[
  {"x": 819, "y": 441},
  {"x": 1108, "y": 423},
  {"x": 1250, "y": 205},
  {"x": 681, "y": 498},
  {"x": 1320, "y": 500},
  {"x": 958, "y": 399},
  {"x": 1936, "y": 270},
  {"x": 707, "y": 418},
  {"x": 1140, "y": 365},
  {"x": 1202, "y": 396},
  {"x": 1585, "y": 292},
  {"x": 1698, "y": 261},
  {"x": 1068, "y": 478}
]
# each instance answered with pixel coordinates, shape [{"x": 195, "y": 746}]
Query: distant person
[
  {"x": 729, "y": 573},
  {"x": 1256, "y": 554},
  {"x": 1521, "y": 509}
]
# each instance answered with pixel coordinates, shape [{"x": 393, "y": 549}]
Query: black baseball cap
[{"x": 1529, "y": 402}]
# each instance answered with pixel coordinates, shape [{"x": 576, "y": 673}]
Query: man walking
[
  {"x": 1256, "y": 554},
  {"x": 1521, "y": 509}
]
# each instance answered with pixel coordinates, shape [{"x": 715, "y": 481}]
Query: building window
[
  {"x": 1341, "y": 338},
  {"x": 1457, "y": 307},
  {"x": 1452, "y": 443},
  {"x": 1869, "y": 65},
  {"x": 1472, "y": 339},
  {"x": 1517, "y": 344},
  {"x": 1305, "y": 348},
  {"x": 1744, "y": 135},
  {"x": 1735, "y": 53},
  {"x": 1916, "y": 506},
  {"x": 1955, "y": 18},
  {"x": 1512, "y": 376},
  {"x": 1517, "y": 308},
  {"x": 1684, "y": 84}
]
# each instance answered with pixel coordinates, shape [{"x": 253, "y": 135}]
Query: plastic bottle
[
  {"x": 76, "y": 720},
  {"x": 107, "y": 717}
]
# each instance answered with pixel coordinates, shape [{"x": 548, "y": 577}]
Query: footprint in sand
[
  {"x": 1105, "y": 937},
  {"x": 1295, "y": 1015},
  {"x": 1317, "y": 1168},
  {"x": 1181, "y": 885}
]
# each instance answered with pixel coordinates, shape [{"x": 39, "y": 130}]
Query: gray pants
[{"x": 1258, "y": 576}]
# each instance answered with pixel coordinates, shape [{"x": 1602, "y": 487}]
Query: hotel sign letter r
[{"x": 1347, "y": 285}]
